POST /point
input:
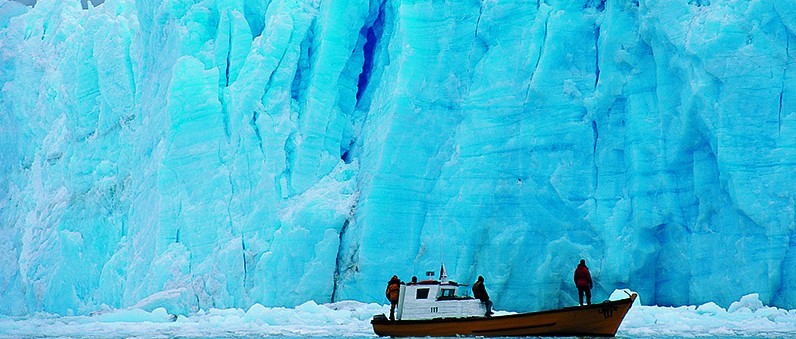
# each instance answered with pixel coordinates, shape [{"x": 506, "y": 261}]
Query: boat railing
[{"x": 455, "y": 297}]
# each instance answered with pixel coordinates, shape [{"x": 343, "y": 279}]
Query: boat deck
[{"x": 591, "y": 320}]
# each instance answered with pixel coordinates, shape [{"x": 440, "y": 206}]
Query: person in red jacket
[
  {"x": 583, "y": 282},
  {"x": 393, "y": 290}
]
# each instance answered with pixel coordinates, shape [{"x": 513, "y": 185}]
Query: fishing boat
[{"x": 436, "y": 308}]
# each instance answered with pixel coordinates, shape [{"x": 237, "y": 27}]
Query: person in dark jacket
[
  {"x": 479, "y": 292},
  {"x": 583, "y": 282},
  {"x": 393, "y": 290}
]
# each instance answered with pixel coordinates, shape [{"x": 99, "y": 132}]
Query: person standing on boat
[
  {"x": 583, "y": 282},
  {"x": 479, "y": 292},
  {"x": 393, "y": 289}
]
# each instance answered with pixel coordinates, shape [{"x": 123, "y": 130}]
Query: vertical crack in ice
[
  {"x": 224, "y": 109},
  {"x": 245, "y": 264},
  {"x": 596, "y": 135},
  {"x": 297, "y": 87},
  {"x": 297, "y": 92},
  {"x": 372, "y": 32},
  {"x": 782, "y": 85},
  {"x": 232, "y": 193},
  {"x": 270, "y": 81},
  {"x": 539, "y": 54},
  {"x": 224, "y": 113},
  {"x": 340, "y": 261},
  {"x": 229, "y": 52},
  {"x": 596, "y": 55},
  {"x": 253, "y": 123},
  {"x": 480, "y": 13},
  {"x": 372, "y": 37},
  {"x": 289, "y": 149},
  {"x": 780, "y": 290},
  {"x": 779, "y": 113},
  {"x": 542, "y": 45},
  {"x": 255, "y": 114},
  {"x": 478, "y": 46}
]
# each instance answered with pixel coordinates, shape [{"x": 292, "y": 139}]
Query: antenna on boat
[
  {"x": 443, "y": 275},
  {"x": 429, "y": 275}
]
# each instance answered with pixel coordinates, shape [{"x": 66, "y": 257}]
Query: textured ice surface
[
  {"x": 219, "y": 154},
  {"x": 352, "y": 319}
]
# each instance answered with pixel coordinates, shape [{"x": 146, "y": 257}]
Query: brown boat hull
[{"x": 591, "y": 320}]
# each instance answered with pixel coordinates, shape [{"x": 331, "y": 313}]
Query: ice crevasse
[{"x": 214, "y": 154}]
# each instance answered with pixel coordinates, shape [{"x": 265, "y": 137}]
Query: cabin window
[
  {"x": 447, "y": 293},
  {"x": 422, "y": 293}
]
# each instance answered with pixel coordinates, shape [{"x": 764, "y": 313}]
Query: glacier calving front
[{"x": 197, "y": 154}]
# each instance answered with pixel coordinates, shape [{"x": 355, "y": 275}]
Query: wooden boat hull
[{"x": 591, "y": 320}]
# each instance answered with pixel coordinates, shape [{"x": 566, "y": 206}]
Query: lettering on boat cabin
[{"x": 608, "y": 311}]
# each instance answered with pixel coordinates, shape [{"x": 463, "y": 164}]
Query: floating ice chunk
[
  {"x": 623, "y": 294},
  {"x": 710, "y": 308},
  {"x": 137, "y": 315},
  {"x": 352, "y": 319},
  {"x": 750, "y": 302},
  {"x": 256, "y": 313},
  {"x": 174, "y": 300}
]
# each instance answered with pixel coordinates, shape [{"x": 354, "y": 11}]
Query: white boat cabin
[{"x": 430, "y": 299}]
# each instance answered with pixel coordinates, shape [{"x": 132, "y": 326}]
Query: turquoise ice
[{"x": 219, "y": 154}]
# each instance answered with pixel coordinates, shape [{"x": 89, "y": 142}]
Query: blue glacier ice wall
[{"x": 197, "y": 154}]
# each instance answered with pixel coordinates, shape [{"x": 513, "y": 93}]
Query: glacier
[{"x": 198, "y": 154}]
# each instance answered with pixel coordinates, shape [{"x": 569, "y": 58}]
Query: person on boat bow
[
  {"x": 479, "y": 292},
  {"x": 583, "y": 282},
  {"x": 393, "y": 289}
]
